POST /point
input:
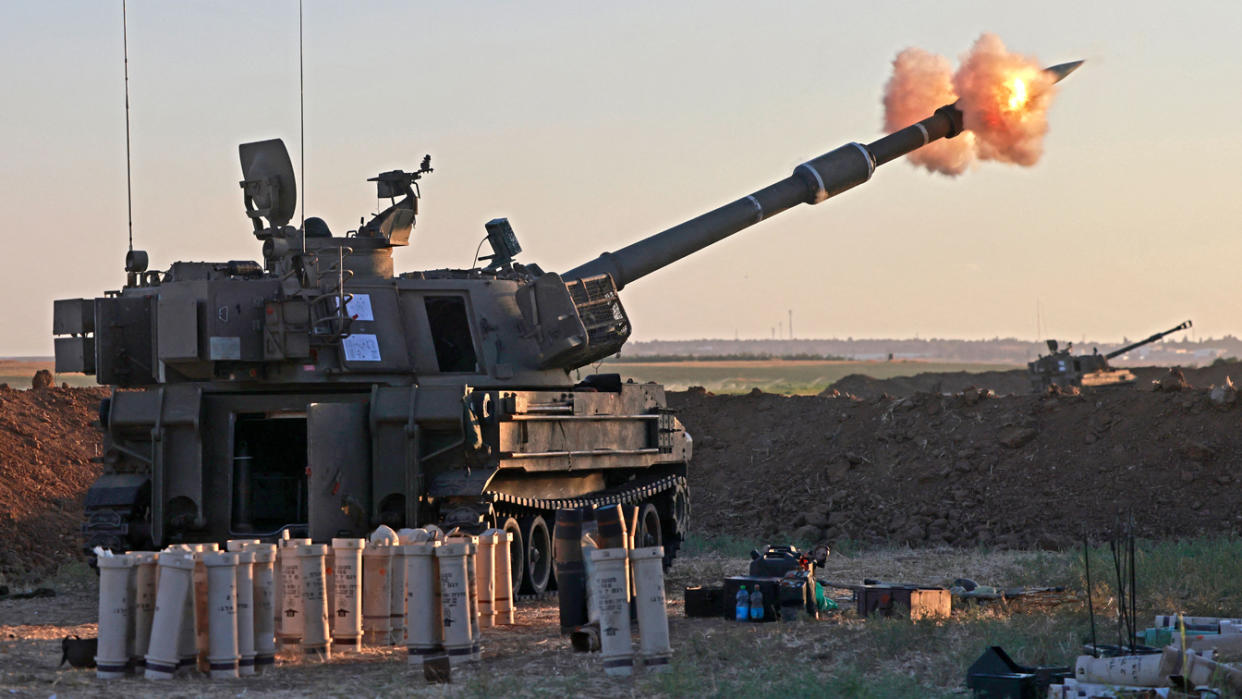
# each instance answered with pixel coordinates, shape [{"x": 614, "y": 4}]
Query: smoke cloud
[
  {"x": 922, "y": 82},
  {"x": 1003, "y": 96}
]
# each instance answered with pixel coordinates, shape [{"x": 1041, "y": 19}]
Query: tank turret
[{"x": 320, "y": 390}]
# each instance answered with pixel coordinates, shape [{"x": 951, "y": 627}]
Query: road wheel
[
  {"x": 674, "y": 508},
  {"x": 650, "y": 532},
  {"x": 538, "y": 563},
  {"x": 517, "y": 552}
]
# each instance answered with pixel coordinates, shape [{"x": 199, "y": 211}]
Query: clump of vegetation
[{"x": 845, "y": 655}]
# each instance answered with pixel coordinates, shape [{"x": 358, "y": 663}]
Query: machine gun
[{"x": 1061, "y": 368}]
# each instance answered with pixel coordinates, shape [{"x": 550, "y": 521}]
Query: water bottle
[
  {"x": 756, "y": 604},
  {"x": 743, "y": 604}
]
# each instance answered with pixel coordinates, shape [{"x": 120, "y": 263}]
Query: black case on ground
[
  {"x": 774, "y": 561},
  {"x": 705, "y": 601}
]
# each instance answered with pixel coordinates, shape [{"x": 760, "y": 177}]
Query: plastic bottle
[
  {"x": 743, "y": 604},
  {"x": 756, "y": 604}
]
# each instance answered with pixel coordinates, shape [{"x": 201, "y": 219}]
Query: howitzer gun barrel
[
  {"x": 1140, "y": 343},
  {"x": 811, "y": 183}
]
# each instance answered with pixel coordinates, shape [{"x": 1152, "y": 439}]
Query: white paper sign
[
  {"x": 358, "y": 307},
  {"x": 361, "y": 347},
  {"x": 221, "y": 348}
]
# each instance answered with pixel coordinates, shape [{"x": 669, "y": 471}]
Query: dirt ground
[
  {"x": 963, "y": 469},
  {"x": 31, "y": 631},
  {"x": 46, "y": 443},
  {"x": 532, "y": 658}
]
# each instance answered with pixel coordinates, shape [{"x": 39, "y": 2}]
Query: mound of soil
[
  {"x": 1199, "y": 377},
  {"x": 1000, "y": 382},
  {"x": 46, "y": 442},
  {"x": 963, "y": 469}
]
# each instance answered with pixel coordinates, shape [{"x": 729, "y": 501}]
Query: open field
[
  {"x": 842, "y": 655},
  {"x": 17, "y": 372},
  {"x": 800, "y": 377}
]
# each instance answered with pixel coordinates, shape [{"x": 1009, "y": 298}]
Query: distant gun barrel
[
  {"x": 811, "y": 183},
  {"x": 1147, "y": 341}
]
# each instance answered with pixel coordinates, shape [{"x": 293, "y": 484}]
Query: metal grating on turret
[{"x": 600, "y": 310}]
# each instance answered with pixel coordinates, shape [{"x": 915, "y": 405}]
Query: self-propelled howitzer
[
  {"x": 321, "y": 391},
  {"x": 1061, "y": 368}
]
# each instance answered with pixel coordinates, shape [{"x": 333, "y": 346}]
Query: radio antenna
[
  {"x": 301, "y": 126},
  {"x": 129, "y": 187}
]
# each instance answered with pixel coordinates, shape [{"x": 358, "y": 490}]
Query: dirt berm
[
  {"x": 46, "y": 443},
  {"x": 964, "y": 469},
  {"x": 1000, "y": 382}
]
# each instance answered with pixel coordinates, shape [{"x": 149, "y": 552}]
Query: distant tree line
[{"x": 736, "y": 356}]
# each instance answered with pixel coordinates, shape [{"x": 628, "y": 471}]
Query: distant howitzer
[{"x": 1060, "y": 368}]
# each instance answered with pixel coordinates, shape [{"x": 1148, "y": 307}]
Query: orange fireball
[{"x": 1017, "y": 94}]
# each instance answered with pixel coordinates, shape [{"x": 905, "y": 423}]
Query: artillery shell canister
[
  {"x": 316, "y": 635},
  {"x": 503, "y": 583},
  {"x": 485, "y": 576},
  {"x": 144, "y": 604},
  {"x": 423, "y": 625},
  {"x": 455, "y": 601},
  {"x": 570, "y": 571},
  {"x": 222, "y": 654},
  {"x": 115, "y": 612},
  {"x": 610, "y": 520},
  {"x": 611, "y": 523},
  {"x": 289, "y": 630},
  {"x": 376, "y": 594},
  {"x": 609, "y": 585},
  {"x": 346, "y": 611},
  {"x": 648, "y": 566},
  {"x": 245, "y": 611},
  {"x": 171, "y": 615},
  {"x": 396, "y": 597},
  {"x": 264, "y": 578}
]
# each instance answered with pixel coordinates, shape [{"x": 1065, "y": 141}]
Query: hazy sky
[{"x": 592, "y": 124}]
